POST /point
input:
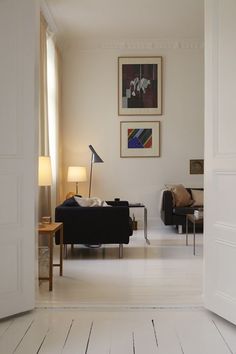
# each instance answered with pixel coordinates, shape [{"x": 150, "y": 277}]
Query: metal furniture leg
[
  {"x": 50, "y": 246},
  {"x": 194, "y": 237},
  {"x": 186, "y": 230},
  {"x": 145, "y": 226},
  {"x": 61, "y": 251},
  {"x": 121, "y": 250}
]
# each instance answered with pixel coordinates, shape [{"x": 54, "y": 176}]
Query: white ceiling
[{"x": 136, "y": 19}]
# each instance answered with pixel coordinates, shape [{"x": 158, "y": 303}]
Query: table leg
[
  {"x": 50, "y": 246},
  {"x": 194, "y": 234},
  {"x": 186, "y": 230},
  {"x": 61, "y": 251},
  {"x": 145, "y": 226}
]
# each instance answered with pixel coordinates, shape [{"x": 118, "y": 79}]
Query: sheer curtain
[
  {"x": 44, "y": 207},
  {"x": 53, "y": 89},
  {"x": 50, "y": 98}
]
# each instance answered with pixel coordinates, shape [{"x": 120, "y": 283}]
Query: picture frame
[
  {"x": 196, "y": 167},
  {"x": 140, "y": 139},
  {"x": 140, "y": 85}
]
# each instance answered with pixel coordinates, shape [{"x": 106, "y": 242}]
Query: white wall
[{"x": 90, "y": 93}]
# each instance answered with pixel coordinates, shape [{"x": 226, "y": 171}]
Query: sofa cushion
[
  {"x": 197, "y": 196},
  {"x": 181, "y": 196}
]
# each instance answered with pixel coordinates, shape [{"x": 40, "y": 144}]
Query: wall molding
[
  {"x": 223, "y": 225},
  {"x": 226, "y": 297},
  {"x": 226, "y": 243},
  {"x": 152, "y": 44},
  {"x": 134, "y": 44}
]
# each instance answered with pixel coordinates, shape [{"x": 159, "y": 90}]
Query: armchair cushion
[
  {"x": 197, "y": 196},
  {"x": 181, "y": 196}
]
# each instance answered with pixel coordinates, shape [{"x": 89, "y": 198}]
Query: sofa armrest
[{"x": 167, "y": 208}]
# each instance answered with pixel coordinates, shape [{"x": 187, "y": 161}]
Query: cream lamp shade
[
  {"x": 44, "y": 171},
  {"x": 76, "y": 174}
]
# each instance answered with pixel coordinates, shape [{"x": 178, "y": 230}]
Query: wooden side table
[{"x": 50, "y": 230}]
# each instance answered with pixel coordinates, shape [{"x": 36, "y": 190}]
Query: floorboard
[
  {"x": 197, "y": 334},
  {"x": 56, "y": 336},
  {"x": 79, "y": 336},
  {"x": 227, "y": 331},
  {"x": 121, "y": 337},
  {"x": 142, "y": 331}
]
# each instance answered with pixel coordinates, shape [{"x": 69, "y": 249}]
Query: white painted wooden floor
[
  {"x": 148, "y": 302},
  {"x": 164, "y": 273},
  {"x": 68, "y": 331}
]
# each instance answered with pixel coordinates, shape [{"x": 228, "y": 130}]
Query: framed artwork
[
  {"x": 139, "y": 139},
  {"x": 140, "y": 85},
  {"x": 196, "y": 167}
]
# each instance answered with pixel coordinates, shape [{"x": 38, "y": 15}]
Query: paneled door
[
  {"x": 220, "y": 158},
  {"x": 19, "y": 40}
]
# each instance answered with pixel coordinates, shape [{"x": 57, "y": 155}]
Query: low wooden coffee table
[{"x": 194, "y": 219}]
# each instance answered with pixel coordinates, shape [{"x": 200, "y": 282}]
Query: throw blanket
[{"x": 90, "y": 202}]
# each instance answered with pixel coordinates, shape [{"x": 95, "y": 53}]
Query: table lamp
[
  {"x": 44, "y": 171},
  {"x": 76, "y": 174}
]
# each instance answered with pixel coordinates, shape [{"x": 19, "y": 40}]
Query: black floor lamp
[{"x": 94, "y": 159}]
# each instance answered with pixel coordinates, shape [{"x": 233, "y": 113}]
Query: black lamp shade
[{"x": 95, "y": 157}]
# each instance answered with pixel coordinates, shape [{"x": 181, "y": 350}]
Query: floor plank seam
[
  {"x": 223, "y": 338},
  {"x": 133, "y": 340},
  {"x": 120, "y": 307},
  {"x": 43, "y": 340},
  {"x": 68, "y": 333},
  {"x": 89, "y": 337},
  {"x": 27, "y": 330},
  {"x": 155, "y": 332},
  {"x": 179, "y": 341}
]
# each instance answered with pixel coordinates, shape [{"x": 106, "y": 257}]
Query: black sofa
[
  {"x": 94, "y": 225},
  {"x": 172, "y": 215}
]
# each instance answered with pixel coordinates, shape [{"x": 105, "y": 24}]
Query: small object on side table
[{"x": 46, "y": 219}]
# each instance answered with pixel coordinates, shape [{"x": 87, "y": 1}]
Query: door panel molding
[
  {"x": 220, "y": 158},
  {"x": 19, "y": 41}
]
